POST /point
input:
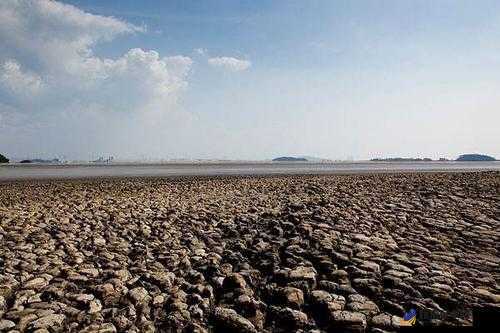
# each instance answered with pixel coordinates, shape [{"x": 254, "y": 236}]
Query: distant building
[{"x": 103, "y": 160}]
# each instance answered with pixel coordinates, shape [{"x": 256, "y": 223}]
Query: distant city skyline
[{"x": 249, "y": 80}]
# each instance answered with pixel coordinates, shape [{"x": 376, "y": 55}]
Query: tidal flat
[{"x": 310, "y": 253}]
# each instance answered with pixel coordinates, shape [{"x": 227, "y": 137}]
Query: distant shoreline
[
  {"x": 158, "y": 170},
  {"x": 232, "y": 162}
]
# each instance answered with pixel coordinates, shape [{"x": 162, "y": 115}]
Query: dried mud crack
[{"x": 248, "y": 254}]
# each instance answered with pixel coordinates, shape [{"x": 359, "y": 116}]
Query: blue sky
[{"x": 254, "y": 79}]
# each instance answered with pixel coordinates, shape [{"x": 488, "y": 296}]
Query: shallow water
[{"x": 62, "y": 171}]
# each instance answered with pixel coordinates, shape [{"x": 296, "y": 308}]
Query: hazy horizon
[{"x": 249, "y": 80}]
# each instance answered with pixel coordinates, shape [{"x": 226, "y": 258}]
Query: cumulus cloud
[
  {"x": 230, "y": 63},
  {"x": 13, "y": 78},
  {"x": 48, "y": 54},
  {"x": 52, "y": 43}
]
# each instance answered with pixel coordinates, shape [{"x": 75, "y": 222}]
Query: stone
[
  {"x": 91, "y": 272},
  {"x": 287, "y": 318},
  {"x": 349, "y": 321},
  {"x": 359, "y": 303},
  {"x": 487, "y": 295},
  {"x": 228, "y": 319},
  {"x": 95, "y": 306},
  {"x": 234, "y": 281},
  {"x": 303, "y": 273},
  {"x": 323, "y": 305},
  {"x": 36, "y": 283},
  {"x": 292, "y": 297},
  {"x": 139, "y": 295},
  {"x": 5, "y": 325},
  {"x": 385, "y": 321},
  {"x": 50, "y": 321}
]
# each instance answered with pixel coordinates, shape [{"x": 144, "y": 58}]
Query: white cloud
[
  {"x": 57, "y": 94},
  {"x": 50, "y": 45},
  {"x": 19, "y": 82},
  {"x": 230, "y": 63}
]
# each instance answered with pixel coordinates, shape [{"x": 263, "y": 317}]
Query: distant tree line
[{"x": 3, "y": 159}]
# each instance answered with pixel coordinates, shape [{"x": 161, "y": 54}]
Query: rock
[
  {"x": 385, "y": 321},
  {"x": 95, "y": 306},
  {"x": 158, "y": 300},
  {"x": 121, "y": 322},
  {"x": 139, "y": 296},
  {"x": 303, "y": 273},
  {"x": 335, "y": 288},
  {"x": 5, "y": 325},
  {"x": 291, "y": 297},
  {"x": 250, "y": 309},
  {"x": 123, "y": 275},
  {"x": 83, "y": 298},
  {"x": 100, "y": 328},
  {"x": 370, "y": 287},
  {"x": 41, "y": 330},
  {"x": 324, "y": 304},
  {"x": 164, "y": 279},
  {"x": 234, "y": 281},
  {"x": 53, "y": 321},
  {"x": 36, "y": 283},
  {"x": 90, "y": 272},
  {"x": 323, "y": 297},
  {"x": 107, "y": 328},
  {"x": 349, "y": 321},
  {"x": 228, "y": 319},
  {"x": 485, "y": 294},
  {"x": 287, "y": 318},
  {"x": 26, "y": 320},
  {"x": 359, "y": 303}
]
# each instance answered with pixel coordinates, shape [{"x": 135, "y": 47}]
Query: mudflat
[{"x": 248, "y": 254}]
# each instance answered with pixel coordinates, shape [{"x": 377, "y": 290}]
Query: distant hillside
[
  {"x": 474, "y": 158},
  {"x": 289, "y": 159}
]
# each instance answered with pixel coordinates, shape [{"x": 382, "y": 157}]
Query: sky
[{"x": 252, "y": 80}]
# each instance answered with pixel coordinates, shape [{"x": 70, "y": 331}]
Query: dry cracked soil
[{"x": 248, "y": 254}]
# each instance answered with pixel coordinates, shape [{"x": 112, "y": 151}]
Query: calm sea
[{"x": 63, "y": 171}]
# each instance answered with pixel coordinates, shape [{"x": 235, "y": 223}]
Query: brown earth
[{"x": 248, "y": 254}]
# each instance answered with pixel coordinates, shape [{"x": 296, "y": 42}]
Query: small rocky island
[
  {"x": 289, "y": 159},
  {"x": 475, "y": 158}
]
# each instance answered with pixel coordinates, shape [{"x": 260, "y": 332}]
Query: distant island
[
  {"x": 289, "y": 159},
  {"x": 3, "y": 159},
  {"x": 401, "y": 159},
  {"x": 38, "y": 160},
  {"x": 475, "y": 158}
]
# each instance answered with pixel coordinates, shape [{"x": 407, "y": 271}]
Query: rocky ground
[{"x": 269, "y": 254}]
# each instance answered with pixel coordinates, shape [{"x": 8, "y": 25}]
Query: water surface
[{"x": 64, "y": 171}]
